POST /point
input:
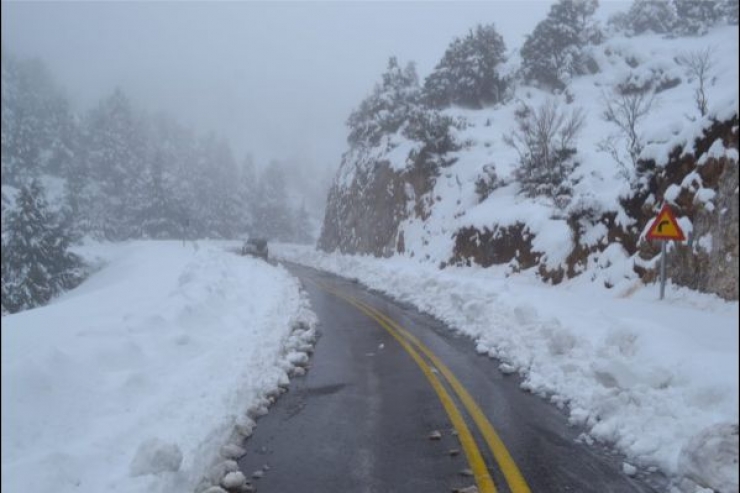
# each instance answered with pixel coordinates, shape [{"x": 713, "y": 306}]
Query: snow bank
[
  {"x": 137, "y": 379},
  {"x": 650, "y": 377}
]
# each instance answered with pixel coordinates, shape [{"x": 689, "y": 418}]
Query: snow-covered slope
[
  {"x": 600, "y": 224},
  {"x": 656, "y": 379},
  {"x": 135, "y": 380},
  {"x": 600, "y": 182}
]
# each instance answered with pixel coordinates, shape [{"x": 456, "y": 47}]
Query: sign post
[
  {"x": 662, "y": 267},
  {"x": 664, "y": 228}
]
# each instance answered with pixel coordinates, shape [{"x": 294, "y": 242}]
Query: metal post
[{"x": 662, "y": 268}]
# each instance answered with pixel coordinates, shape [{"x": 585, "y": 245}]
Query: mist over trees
[{"x": 116, "y": 173}]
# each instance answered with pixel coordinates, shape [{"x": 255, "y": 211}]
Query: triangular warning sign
[{"x": 665, "y": 227}]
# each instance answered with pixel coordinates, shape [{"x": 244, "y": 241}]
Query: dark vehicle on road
[{"x": 256, "y": 247}]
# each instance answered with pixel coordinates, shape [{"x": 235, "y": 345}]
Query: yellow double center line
[{"x": 411, "y": 343}]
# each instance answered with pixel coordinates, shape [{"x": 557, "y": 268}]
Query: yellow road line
[
  {"x": 513, "y": 476},
  {"x": 472, "y": 453}
]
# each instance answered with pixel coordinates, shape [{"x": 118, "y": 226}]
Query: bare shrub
[
  {"x": 626, "y": 111},
  {"x": 545, "y": 140},
  {"x": 698, "y": 64}
]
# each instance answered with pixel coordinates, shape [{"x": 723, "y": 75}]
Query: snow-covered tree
[
  {"x": 435, "y": 131},
  {"x": 38, "y": 130},
  {"x": 731, "y": 11},
  {"x": 554, "y": 52},
  {"x": 468, "y": 74},
  {"x": 115, "y": 154},
  {"x": 302, "y": 226},
  {"x": 247, "y": 195},
  {"x": 273, "y": 216},
  {"x": 387, "y": 107},
  {"x": 177, "y": 150},
  {"x": 36, "y": 263},
  {"x": 694, "y": 17},
  {"x": 215, "y": 204},
  {"x": 657, "y": 16}
]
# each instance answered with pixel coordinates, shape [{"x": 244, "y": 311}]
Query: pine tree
[
  {"x": 468, "y": 74},
  {"x": 273, "y": 216},
  {"x": 387, "y": 108},
  {"x": 36, "y": 263},
  {"x": 38, "y": 131},
  {"x": 553, "y": 53},
  {"x": 116, "y": 162},
  {"x": 154, "y": 209},
  {"x": 302, "y": 226},
  {"x": 177, "y": 148},
  {"x": 247, "y": 197}
]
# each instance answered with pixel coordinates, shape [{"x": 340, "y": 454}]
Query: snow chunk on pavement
[
  {"x": 710, "y": 458},
  {"x": 155, "y": 456},
  {"x": 629, "y": 469},
  {"x": 234, "y": 480}
]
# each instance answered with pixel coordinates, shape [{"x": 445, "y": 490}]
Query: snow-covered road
[
  {"x": 135, "y": 380},
  {"x": 657, "y": 379}
]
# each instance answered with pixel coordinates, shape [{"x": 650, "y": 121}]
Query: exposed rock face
[
  {"x": 722, "y": 271},
  {"x": 369, "y": 200},
  {"x": 500, "y": 246},
  {"x": 364, "y": 216},
  {"x": 710, "y": 261}
]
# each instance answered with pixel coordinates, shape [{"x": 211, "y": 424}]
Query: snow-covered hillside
[
  {"x": 475, "y": 207},
  {"x": 141, "y": 378},
  {"x": 656, "y": 379},
  {"x": 600, "y": 182}
]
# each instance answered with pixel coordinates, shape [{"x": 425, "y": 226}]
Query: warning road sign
[{"x": 665, "y": 227}]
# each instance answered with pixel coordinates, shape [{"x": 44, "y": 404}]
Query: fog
[{"x": 277, "y": 79}]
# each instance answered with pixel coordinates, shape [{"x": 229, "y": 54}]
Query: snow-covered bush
[
  {"x": 434, "y": 131},
  {"x": 487, "y": 182}
]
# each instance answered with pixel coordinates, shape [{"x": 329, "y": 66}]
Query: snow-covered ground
[
  {"x": 658, "y": 379},
  {"x": 141, "y": 378},
  {"x": 136, "y": 380}
]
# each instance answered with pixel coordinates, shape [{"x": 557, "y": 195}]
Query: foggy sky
[{"x": 277, "y": 79}]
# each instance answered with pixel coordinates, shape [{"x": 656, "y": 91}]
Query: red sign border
[{"x": 651, "y": 232}]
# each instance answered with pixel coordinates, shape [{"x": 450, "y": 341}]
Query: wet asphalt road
[{"x": 360, "y": 420}]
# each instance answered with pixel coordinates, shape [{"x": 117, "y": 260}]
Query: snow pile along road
[
  {"x": 657, "y": 379},
  {"x": 137, "y": 380}
]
